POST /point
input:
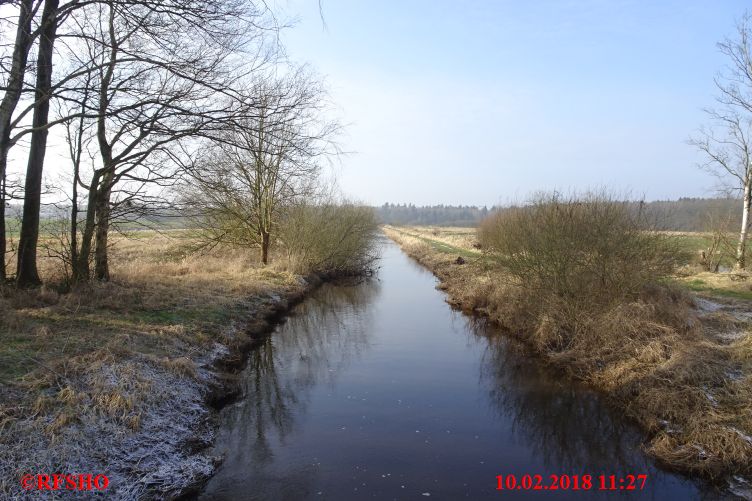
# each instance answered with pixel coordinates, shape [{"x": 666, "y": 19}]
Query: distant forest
[
  {"x": 698, "y": 214},
  {"x": 431, "y": 215},
  {"x": 685, "y": 214}
]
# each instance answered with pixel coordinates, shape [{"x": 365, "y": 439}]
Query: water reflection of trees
[
  {"x": 571, "y": 428},
  {"x": 323, "y": 335}
]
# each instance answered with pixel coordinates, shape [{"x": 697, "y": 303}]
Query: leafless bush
[
  {"x": 585, "y": 251},
  {"x": 721, "y": 246},
  {"x": 330, "y": 238}
]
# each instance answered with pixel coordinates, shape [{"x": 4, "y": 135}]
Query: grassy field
[
  {"x": 118, "y": 358},
  {"x": 158, "y": 291},
  {"x": 678, "y": 360},
  {"x": 726, "y": 284}
]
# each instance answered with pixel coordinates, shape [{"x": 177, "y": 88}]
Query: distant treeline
[
  {"x": 431, "y": 215},
  {"x": 698, "y": 214},
  {"x": 685, "y": 214}
]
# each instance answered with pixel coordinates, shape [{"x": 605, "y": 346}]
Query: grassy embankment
[
  {"x": 681, "y": 368},
  {"x": 133, "y": 362}
]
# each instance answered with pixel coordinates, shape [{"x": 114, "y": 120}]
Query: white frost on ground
[
  {"x": 157, "y": 458},
  {"x": 733, "y": 336},
  {"x": 744, "y": 436},
  {"x": 167, "y": 454},
  {"x": 741, "y": 487},
  {"x": 740, "y": 313},
  {"x": 706, "y": 305},
  {"x": 713, "y": 401}
]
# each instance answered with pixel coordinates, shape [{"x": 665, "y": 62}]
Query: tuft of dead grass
[{"x": 183, "y": 366}]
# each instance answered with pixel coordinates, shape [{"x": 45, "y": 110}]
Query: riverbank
[
  {"x": 686, "y": 380},
  {"x": 379, "y": 390},
  {"x": 124, "y": 378}
]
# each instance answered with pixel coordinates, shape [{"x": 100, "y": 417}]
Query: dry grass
[
  {"x": 682, "y": 372},
  {"x": 160, "y": 295},
  {"x": 93, "y": 353},
  {"x": 730, "y": 284},
  {"x": 462, "y": 241}
]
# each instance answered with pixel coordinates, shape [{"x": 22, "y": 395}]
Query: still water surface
[{"x": 380, "y": 391}]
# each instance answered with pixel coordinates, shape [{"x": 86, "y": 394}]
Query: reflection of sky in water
[{"x": 380, "y": 391}]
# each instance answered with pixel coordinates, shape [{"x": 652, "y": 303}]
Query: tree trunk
[
  {"x": 741, "y": 248},
  {"x": 8, "y": 106},
  {"x": 3, "y": 249},
  {"x": 265, "y": 247},
  {"x": 101, "y": 265},
  {"x": 76, "y": 152},
  {"x": 27, "y": 274},
  {"x": 81, "y": 268},
  {"x": 102, "y": 206},
  {"x": 74, "y": 223}
]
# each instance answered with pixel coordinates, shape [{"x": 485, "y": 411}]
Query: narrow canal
[{"x": 380, "y": 391}]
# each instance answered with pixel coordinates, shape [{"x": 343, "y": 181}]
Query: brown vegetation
[
  {"x": 329, "y": 238},
  {"x": 586, "y": 253},
  {"x": 118, "y": 359},
  {"x": 682, "y": 370}
]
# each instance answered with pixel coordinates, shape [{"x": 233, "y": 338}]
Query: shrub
[
  {"x": 587, "y": 251},
  {"x": 721, "y": 245},
  {"x": 330, "y": 238}
]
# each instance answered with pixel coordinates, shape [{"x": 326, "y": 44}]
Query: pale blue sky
[{"x": 480, "y": 102}]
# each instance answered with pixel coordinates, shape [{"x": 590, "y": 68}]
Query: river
[{"x": 378, "y": 390}]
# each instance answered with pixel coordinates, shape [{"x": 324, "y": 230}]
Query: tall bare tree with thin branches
[
  {"x": 266, "y": 162},
  {"x": 727, "y": 141}
]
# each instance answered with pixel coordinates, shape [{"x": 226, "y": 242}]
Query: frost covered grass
[
  {"x": 679, "y": 365},
  {"x": 131, "y": 362}
]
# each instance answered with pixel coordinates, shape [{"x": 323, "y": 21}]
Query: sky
[{"x": 486, "y": 102}]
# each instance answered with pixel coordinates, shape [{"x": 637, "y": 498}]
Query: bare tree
[
  {"x": 78, "y": 137},
  {"x": 267, "y": 161},
  {"x": 29, "y": 29},
  {"x": 144, "y": 80},
  {"x": 193, "y": 47},
  {"x": 721, "y": 245},
  {"x": 26, "y": 269},
  {"x": 13, "y": 86},
  {"x": 726, "y": 143}
]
